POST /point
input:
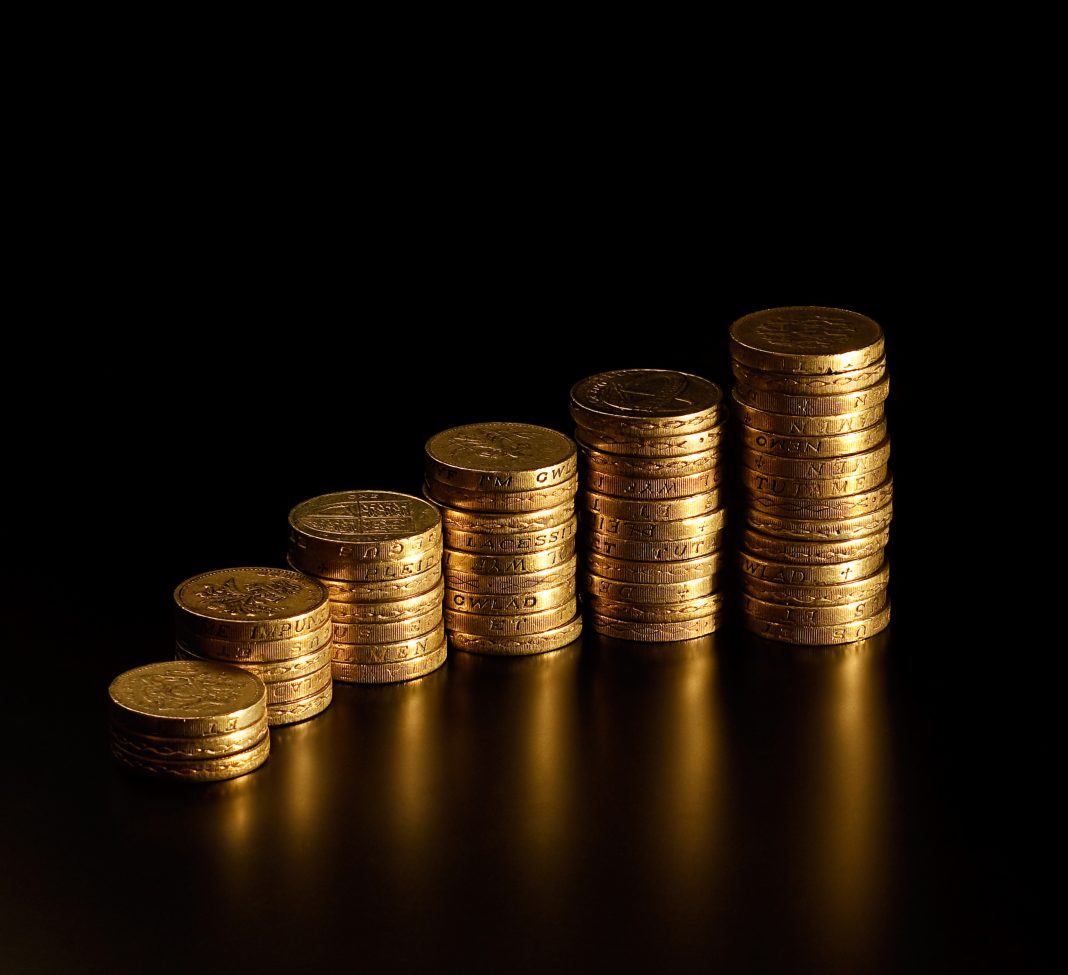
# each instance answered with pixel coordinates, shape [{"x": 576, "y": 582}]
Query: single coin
[
  {"x": 268, "y": 671},
  {"x": 646, "y": 402},
  {"x": 500, "y": 457},
  {"x": 633, "y": 509},
  {"x": 387, "y": 611},
  {"x": 528, "y": 643},
  {"x": 491, "y": 522},
  {"x": 806, "y": 426},
  {"x": 650, "y": 467},
  {"x": 474, "y": 582},
  {"x": 655, "y": 632},
  {"x": 668, "y": 551},
  {"x": 186, "y": 699},
  {"x": 288, "y": 691},
  {"x": 775, "y": 486},
  {"x": 361, "y": 526},
  {"x": 199, "y": 769},
  {"x": 502, "y": 501},
  {"x": 490, "y": 604},
  {"x": 250, "y": 604},
  {"x": 814, "y": 615},
  {"x": 501, "y": 543},
  {"x": 152, "y": 747},
  {"x": 654, "y": 573},
  {"x": 626, "y": 445},
  {"x": 820, "y": 635},
  {"x": 810, "y": 384},
  {"x": 820, "y": 509},
  {"x": 521, "y": 564},
  {"x": 813, "y": 553},
  {"x": 818, "y": 468},
  {"x": 302, "y": 710},
  {"x": 382, "y": 590},
  {"x": 653, "y": 488},
  {"x": 370, "y": 571},
  {"x": 254, "y": 651},
  {"x": 830, "y": 404},
  {"x": 791, "y": 574},
  {"x": 389, "y": 673},
  {"x": 680, "y": 612},
  {"x": 811, "y": 448},
  {"x": 832, "y": 594},
  {"x": 517, "y": 625},
  {"x": 834, "y": 529},
  {"x": 657, "y": 530},
  {"x": 388, "y": 632},
  {"x": 806, "y": 339},
  {"x": 632, "y": 592},
  {"x": 392, "y": 651}
]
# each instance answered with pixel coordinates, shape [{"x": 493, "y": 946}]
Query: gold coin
[
  {"x": 392, "y": 651},
  {"x": 389, "y": 673},
  {"x": 288, "y": 691},
  {"x": 268, "y": 671},
  {"x": 151, "y": 747},
  {"x": 198, "y": 769},
  {"x": 820, "y": 635},
  {"x": 818, "y": 468},
  {"x": 388, "y": 632},
  {"x": 817, "y": 384},
  {"x": 820, "y": 509},
  {"x": 653, "y": 488},
  {"x": 491, "y": 522},
  {"x": 806, "y": 339},
  {"x": 388, "y": 571},
  {"x": 630, "y": 446},
  {"x": 302, "y": 710},
  {"x": 491, "y": 604},
  {"x": 473, "y": 582},
  {"x": 814, "y": 615},
  {"x": 830, "y": 404},
  {"x": 657, "y": 531},
  {"x": 518, "y": 625},
  {"x": 388, "y": 611},
  {"x": 813, "y": 553},
  {"x": 500, "y": 543},
  {"x": 668, "y": 551},
  {"x": 825, "y": 530},
  {"x": 813, "y": 447},
  {"x": 331, "y": 531},
  {"x": 502, "y": 501},
  {"x": 633, "y": 592},
  {"x": 832, "y": 594},
  {"x": 680, "y": 612},
  {"x": 381, "y": 590},
  {"x": 250, "y": 604},
  {"x": 521, "y": 564},
  {"x": 255, "y": 651},
  {"x": 655, "y": 632},
  {"x": 775, "y": 486},
  {"x": 186, "y": 699},
  {"x": 631, "y": 509},
  {"x": 646, "y": 402},
  {"x": 806, "y": 426},
  {"x": 500, "y": 457},
  {"x": 650, "y": 467},
  {"x": 792, "y": 574},
  {"x": 528, "y": 643},
  {"x": 654, "y": 573}
]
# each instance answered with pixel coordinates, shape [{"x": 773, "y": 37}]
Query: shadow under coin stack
[
  {"x": 814, "y": 451},
  {"x": 378, "y": 554},
  {"x": 189, "y": 720},
  {"x": 653, "y": 523},
  {"x": 507, "y": 498},
  {"x": 274, "y": 623}
]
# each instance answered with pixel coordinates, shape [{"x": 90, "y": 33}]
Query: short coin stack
[
  {"x": 378, "y": 554},
  {"x": 189, "y": 720},
  {"x": 653, "y": 521},
  {"x": 274, "y": 623},
  {"x": 507, "y": 497},
  {"x": 814, "y": 451}
]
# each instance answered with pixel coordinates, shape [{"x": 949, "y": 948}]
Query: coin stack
[
  {"x": 274, "y": 623},
  {"x": 378, "y": 554},
  {"x": 189, "y": 720},
  {"x": 507, "y": 497},
  {"x": 653, "y": 521},
  {"x": 814, "y": 448}
]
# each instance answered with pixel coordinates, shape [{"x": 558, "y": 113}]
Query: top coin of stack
[
  {"x": 378, "y": 554},
  {"x": 653, "y": 522},
  {"x": 189, "y": 720},
  {"x": 809, "y": 401},
  {"x": 274, "y": 623},
  {"x": 507, "y": 496}
]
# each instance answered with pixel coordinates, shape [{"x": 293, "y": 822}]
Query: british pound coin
[
  {"x": 820, "y": 635},
  {"x": 504, "y": 645},
  {"x": 646, "y": 402}
]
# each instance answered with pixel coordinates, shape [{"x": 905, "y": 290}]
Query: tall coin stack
[
  {"x": 378, "y": 554},
  {"x": 653, "y": 521},
  {"x": 507, "y": 497},
  {"x": 814, "y": 448},
  {"x": 274, "y": 623}
]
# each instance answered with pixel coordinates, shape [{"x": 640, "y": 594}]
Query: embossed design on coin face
[
  {"x": 646, "y": 392},
  {"x": 249, "y": 594},
  {"x": 806, "y": 330},
  {"x": 254, "y": 599},
  {"x": 186, "y": 689},
  {"x": 363, "y": 516},
  {"x": 499, "y": 447}
]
